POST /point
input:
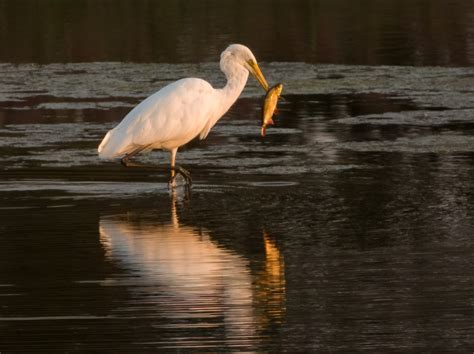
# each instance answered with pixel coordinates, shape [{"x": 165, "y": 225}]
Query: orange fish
[{"x": 269, "y": 106}]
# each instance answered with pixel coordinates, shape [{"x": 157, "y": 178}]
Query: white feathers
[
  {"x": 179, "y": 112},
  {"x": 171, "y": 117}
]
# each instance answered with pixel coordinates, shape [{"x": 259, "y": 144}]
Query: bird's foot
[
  {"x": 187, "y": 176},
  {"x": 125, "y": 161},
  {"x": 184, "y": 173}
]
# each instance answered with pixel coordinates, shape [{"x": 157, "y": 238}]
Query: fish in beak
[{"x": 269, "y": 106}]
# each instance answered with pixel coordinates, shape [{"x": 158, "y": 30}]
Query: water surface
[
  {"x": 349, "y": 227},
  {"x": 368, "y": 32}
]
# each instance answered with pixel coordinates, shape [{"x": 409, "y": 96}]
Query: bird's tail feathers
[
  {"x": 104, "y": 150},
  {"x": 113, "y": 146}
]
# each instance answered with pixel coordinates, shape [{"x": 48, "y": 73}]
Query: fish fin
[
  {"x": 275, "y": 111},
  {"x": 263, "y": 131},
  {"x": 271, "y": 122}
]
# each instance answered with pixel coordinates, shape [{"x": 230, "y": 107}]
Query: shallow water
[{"x": 349, "y": 226}]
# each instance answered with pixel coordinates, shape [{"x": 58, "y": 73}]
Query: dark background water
[
  {"x": 395, "y": 32},
  {"x": 348, "y": 228}
]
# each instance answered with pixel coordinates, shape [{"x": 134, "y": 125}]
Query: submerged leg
[{"x": 175, "y": 170}]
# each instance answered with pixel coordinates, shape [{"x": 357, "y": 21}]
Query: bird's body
[
  {"x": 167, "y": 119},
  {"x": 181, "y": 111},
  {"x": 153, "y": 124}
]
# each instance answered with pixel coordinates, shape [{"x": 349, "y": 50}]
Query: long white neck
[{"x": 237, "y": 77}]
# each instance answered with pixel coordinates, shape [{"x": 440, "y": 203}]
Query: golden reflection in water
[
  {"x": 201, "y": 280},
  {"x": 271, "y": 284}
]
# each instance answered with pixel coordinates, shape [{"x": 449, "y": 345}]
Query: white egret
[{"x": 181, "y": 111}]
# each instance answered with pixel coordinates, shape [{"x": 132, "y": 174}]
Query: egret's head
[{"x": 242, "y": 55}]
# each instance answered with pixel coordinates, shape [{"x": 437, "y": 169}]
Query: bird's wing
[
  {"x": 177, "y": 111},
  {"x": 174, "y": 115}
]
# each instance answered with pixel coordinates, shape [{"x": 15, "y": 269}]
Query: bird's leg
[
  {"x": 175, "y": 170},
  {"x": 125, "y": 161},
  {"x": 172, "y": 182}
]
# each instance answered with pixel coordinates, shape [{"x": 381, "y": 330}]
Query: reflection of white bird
[
  {"x": 179, "y": 273},
  {"x": 181, "y": 111},
  {"x": 198, "y": 281}
]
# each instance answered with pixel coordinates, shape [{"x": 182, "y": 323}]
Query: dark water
[
  {"x": 349, "y": 227},
  {"x": 393, "y": 32}
]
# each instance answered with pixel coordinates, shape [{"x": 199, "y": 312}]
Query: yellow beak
[{"x": 257, "y": 73}]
